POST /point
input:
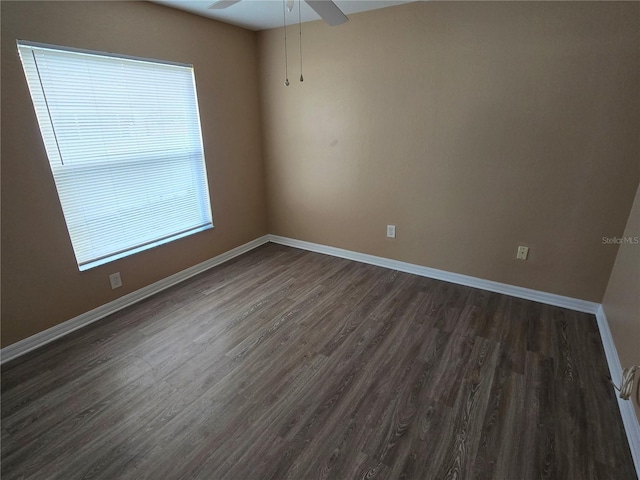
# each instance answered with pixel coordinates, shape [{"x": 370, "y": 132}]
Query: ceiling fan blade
[
  {"x": 220, "y": 4},
  {"x": 329, "y": 11}
]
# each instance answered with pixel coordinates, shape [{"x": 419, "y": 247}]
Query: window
[{"x": 125, "y": 148}]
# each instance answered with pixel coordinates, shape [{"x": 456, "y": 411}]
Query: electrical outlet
[
  {"x": 523, "y": 253},
  {"x": 115, "y": 280},
  {"x": 391, "y": 231}
]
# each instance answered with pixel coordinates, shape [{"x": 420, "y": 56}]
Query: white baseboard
[
  {"x": 511, "y": 290},
  {"x": 42, "y": 338},
  {"x": 628, "y": 414}
]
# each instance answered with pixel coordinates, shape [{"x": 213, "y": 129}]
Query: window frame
[{"x": 202, "y": 193}]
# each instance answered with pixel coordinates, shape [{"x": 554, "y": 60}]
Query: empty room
[{"x": 298, "y": 239}]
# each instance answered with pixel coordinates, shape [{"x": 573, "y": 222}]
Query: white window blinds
[{"x": 124, "y": 145}]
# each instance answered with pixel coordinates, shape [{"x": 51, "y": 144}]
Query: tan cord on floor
[{"x": 626, "y": 388}]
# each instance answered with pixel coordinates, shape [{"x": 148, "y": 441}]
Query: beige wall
[
  {"x": 622, "y": 299},
  {"x": 473, "y": 127},
  {"x": 41, "y": 284}
]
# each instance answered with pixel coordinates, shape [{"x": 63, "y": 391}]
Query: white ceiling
[{"x": 263, "y": 14}]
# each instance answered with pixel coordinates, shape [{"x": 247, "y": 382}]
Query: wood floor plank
[{"x": 283, "y": 364}]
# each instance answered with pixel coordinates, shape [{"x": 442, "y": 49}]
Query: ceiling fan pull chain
[
  {"x": 284, "y": 25},
  {"x": 300, "y": 30}
]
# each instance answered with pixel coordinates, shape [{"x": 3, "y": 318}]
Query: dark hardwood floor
[{"x": 289, "y": 364}]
